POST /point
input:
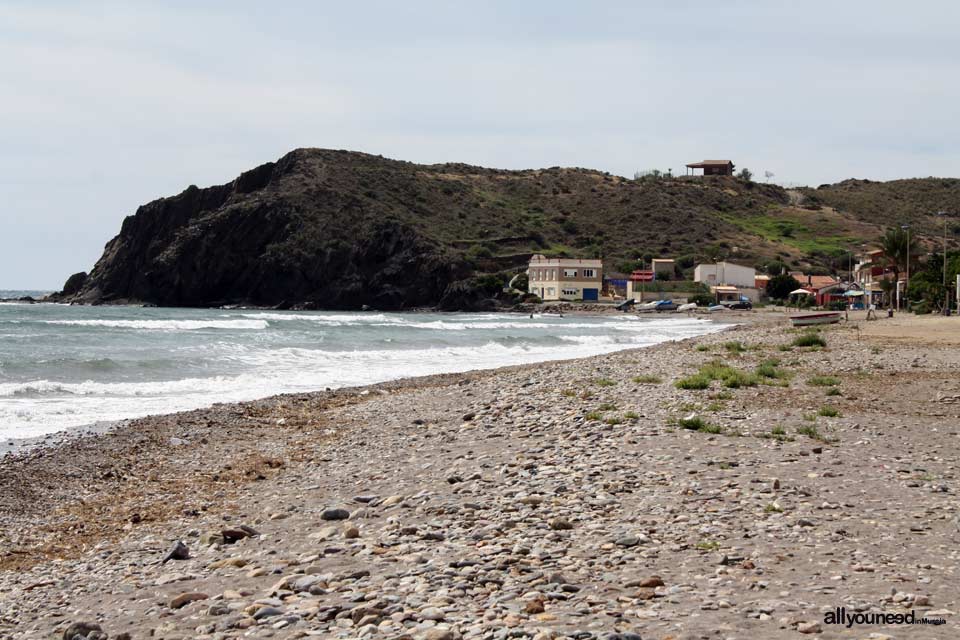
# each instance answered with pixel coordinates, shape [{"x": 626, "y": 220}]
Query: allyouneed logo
[{"x": 840, "y": 616}]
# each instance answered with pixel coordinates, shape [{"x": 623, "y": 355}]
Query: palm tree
[{"x": 897, "y": 250}]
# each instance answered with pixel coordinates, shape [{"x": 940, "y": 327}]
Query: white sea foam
[
  {"x": 165, "y": 325},
  {"x": 254, "y": 364}
]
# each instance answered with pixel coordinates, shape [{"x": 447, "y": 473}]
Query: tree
[
  {"x": 745, "y": 174},
  {"x": 780, "y": 286},
  {"x": 897, "y": 250}
]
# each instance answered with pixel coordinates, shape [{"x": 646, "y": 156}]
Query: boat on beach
[{"x": 807, "y": 319}]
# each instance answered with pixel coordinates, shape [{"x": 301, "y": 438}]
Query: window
[
  {"x": 551, "y": 291},
  {"x": 589, "y": 273},
  {"x": 571, "y": 292},
  {"x": 569, "y": 273},
  {"x": 553, "y": 274}
]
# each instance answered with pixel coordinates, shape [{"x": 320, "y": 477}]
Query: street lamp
[
  {"x": 906, "y": 228},
  {"x": 946, "y": 290}
]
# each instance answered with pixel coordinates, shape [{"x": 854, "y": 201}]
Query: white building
[
  {"x": 725, "y": 273},
  {"x": 565, "y": 278}
]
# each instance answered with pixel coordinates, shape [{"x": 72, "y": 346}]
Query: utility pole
[
  {"x": 906, "y": 228},
  {"x": 946, "y": 289}
]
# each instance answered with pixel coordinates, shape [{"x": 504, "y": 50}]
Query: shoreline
[
  {"x": 558, "y": 498},
  {"x": 12, "y": 446}
]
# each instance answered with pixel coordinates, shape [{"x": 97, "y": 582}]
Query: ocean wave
[
  {"x": 165, "y": 325},
  {"x": 255, "y": 365}
]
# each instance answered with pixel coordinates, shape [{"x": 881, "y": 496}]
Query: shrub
[
  {"x": 737, "y": 379},
  {"x": 777, "y": 433},
  {"x": 594, "y": 415},
  {"x": 703, "y": 347},
  {"x": 697, "y": 381},
  {"x": 810, "y": 432},
  {"x": 809, "y": 340},
  {"x": 607, "y": 406},
  {"x": 692, "y": 423},
  {"x": 734, "y": 347},
  {"x": 479, "y": 251},
  {"x": 823, "y": 381},
  {"x": 604, "y": 382},
  {"x": 833, "y": 391},
  {"x": 829, "y": 412},
  {"x": 647, "y": 379},
  {"x": 727, "y": 375},
  {"x": 631, "y": 415},
  {"x": 702, "y": 299},
  {"x": 768, "y": 369}
]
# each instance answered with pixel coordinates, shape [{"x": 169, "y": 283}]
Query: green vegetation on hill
[{"x": 340, "y": 229}]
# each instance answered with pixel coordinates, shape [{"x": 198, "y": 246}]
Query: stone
[
  {"x": 627, "y": 541},
  {"x": 651, "y": 582},
  {"x": 267, "y": 612},
  {"x": 84, "y": 631},
  {"x": 559, "y": 524},
  {"x": 534, "y": 606},
  {"x": 211, "y": 538},
  {"x": 184, "y": 599},
  {"x": 432, "y": 613},
  {"x": 231, "y": 536},
  {"x": 178, "y": 551},
  {"x": 334, "y": 514},
  {"x": 809, "y": 627}
]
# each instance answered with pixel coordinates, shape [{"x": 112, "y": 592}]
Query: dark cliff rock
[{"x": 274, "y": 235}]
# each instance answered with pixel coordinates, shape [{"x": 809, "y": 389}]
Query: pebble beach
[{"x": 588, "y": 498}]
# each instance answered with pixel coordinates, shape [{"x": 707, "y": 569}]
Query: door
[{"x": 591, "y": 294}]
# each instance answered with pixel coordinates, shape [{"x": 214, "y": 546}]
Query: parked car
[
  {"x": 743, "y": 304},
  {"x": 666, "y": 305}
]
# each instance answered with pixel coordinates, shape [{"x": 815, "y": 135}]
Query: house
[
  {"x": 565, "y": 278},
  {"x": 711, "y": 167},
  {"x": 725, "y": 273},
  {"x": 662, "y": 265},
  {"x": 761, "y": 282},
  {"x": 870, "y": 271}
]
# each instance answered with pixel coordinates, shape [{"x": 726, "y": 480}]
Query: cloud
[{"x": 109, "y": 105}]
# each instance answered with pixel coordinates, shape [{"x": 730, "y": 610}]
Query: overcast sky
[{"x": 106, "y": 106}]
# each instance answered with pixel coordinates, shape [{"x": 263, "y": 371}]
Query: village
[
  {"x": 721, "y": 284},
  {"x": 875, "y": 278}
]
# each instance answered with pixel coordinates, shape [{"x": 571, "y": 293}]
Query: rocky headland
[{"x": 327, "y": 229}]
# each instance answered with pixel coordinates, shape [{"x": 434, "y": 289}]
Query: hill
[
  {"x": 338, "y": 229},
  {"x": 915, "y": 201}
]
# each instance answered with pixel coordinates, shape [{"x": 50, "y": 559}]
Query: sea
[{"x": 67, "y": 366}]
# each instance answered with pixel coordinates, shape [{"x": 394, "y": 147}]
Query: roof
[
  {"x": 539, "y": 260},
  {"x": 725, "y": 289},
  {"x": 819, "y": 282},
  {"x": 709, "y": 163}
]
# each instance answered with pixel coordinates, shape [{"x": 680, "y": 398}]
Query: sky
[{"x": 106, "y": 106}]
